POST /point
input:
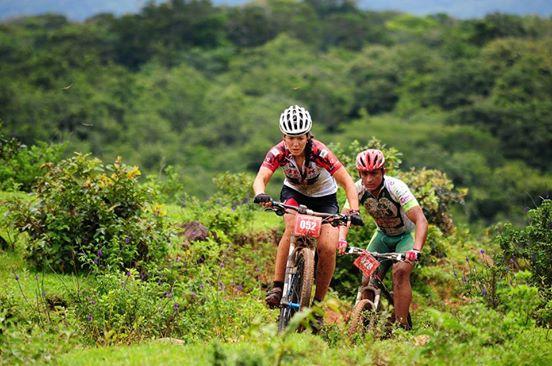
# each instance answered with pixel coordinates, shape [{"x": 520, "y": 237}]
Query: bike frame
[
  {"x": 297, "y": 245},
  {"x": 374, "y": 285}
]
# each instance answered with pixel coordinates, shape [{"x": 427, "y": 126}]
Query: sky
[{"x": 82, "y": 9}]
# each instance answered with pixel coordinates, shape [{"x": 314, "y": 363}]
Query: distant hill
[
  {"x": 463, "y": 8},
  {"x": 82, "y": 9}
]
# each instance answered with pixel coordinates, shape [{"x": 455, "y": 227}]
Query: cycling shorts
[
  {"x": 382, "y": 243},
  {"x": 326, "y": 204}
]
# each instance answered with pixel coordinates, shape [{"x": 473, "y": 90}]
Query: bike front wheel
[
  {"x": 300, "y": 286},
  {"x": 360, "y": 319}
]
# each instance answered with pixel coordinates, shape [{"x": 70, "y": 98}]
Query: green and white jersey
[{"x": 390, "y": 205}]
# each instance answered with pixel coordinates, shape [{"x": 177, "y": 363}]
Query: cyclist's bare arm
[
  {"x": 344, "y": 180},
  {"x": 342, "y": 238},
  {"x": 416, "y": 215},
  {"x": 261, "y": 180}
]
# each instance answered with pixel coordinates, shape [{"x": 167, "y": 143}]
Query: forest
[{"x": 148, "y": 122}]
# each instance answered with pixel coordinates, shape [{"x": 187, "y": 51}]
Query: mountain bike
[
  {"x": 299, "y": 275},
  {"x": 373, "y": 297}
]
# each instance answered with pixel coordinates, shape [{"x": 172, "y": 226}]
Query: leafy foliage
[
  {"x": 90, "y": 215},
  {"x": 21, "y": 165},
  {"x": 436, "y": 194},
  {"x": 532, "y": 244}
]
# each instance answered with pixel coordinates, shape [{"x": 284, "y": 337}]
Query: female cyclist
[{"x": 311, "y": 171}]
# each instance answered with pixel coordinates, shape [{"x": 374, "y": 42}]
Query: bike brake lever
[
  {"x": 340, "y": 220},
  {"x": 280, "y": 211}
]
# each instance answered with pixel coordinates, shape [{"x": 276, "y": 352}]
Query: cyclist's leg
[
  {"x": 283, "y": 249},
  {"x": 327, "y": 244},
  {"x": 402, "y": 290},
  {"x": 377, "y": 244},
  {"x": 291, "y": 197}
]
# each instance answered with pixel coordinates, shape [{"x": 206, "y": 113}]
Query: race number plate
[
  {"x": 306, "y": 225},
  {"x": 367, "y": 264}
]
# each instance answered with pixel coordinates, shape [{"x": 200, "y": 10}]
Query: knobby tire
[
  {"x": 300, "y": 286},
  {"x": 358, "y": 320}
]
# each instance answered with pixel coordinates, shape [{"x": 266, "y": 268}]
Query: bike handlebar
[
  {"x": 334, "y": 219},
  {"x": 395, "y": 257}
]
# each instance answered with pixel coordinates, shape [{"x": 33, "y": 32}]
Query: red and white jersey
[
  {"x": 390, "y": 206},
  {"x": 315, "y": 179}
]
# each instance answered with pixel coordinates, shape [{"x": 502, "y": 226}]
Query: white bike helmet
[{"x": 295, "y": 121}]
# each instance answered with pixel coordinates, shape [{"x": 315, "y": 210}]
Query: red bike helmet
[{"x": 370, "y": 160}]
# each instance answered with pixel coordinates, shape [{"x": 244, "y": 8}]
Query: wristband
[{"x": 413, "y": 255}]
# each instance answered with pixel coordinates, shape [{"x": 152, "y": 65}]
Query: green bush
[
  {"x": 31, "y": 331},
  {"x": 233, "y": 189},
  {"x": 170, "y": 185},
  {"x": 229, "y": 209},
  {"x": 531, "y": 247},
  {"x": 90, "y": 215},
  {"x": 20, "y": 165},
  {"x": 435, "y": 193}
]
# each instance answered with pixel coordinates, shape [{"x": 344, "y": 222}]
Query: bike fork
[{"x": 374, "y": 290}]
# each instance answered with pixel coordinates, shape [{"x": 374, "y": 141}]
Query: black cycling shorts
[{"x": 326, "y": 204}]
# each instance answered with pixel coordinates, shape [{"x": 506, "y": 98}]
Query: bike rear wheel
[{"x": 300, "y": 287}]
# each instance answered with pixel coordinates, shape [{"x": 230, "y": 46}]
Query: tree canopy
[{"x": 200, "y": 87}]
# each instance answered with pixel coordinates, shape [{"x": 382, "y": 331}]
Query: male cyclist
[
  {"x": 396, "y": 213},
  {"x": 311, "y": 171}
]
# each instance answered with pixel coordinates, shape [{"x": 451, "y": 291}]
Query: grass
[{"x": 306, "y": 349}]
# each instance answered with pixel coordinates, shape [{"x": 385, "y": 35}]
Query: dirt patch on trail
[{"x": 193, "y": 231}]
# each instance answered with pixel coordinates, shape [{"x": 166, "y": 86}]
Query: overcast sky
[{"x": 81, "y": 9}]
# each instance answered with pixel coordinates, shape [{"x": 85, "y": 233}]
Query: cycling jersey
[
  {"x": 390, "y": 205},
  {"x": 315, "y": 179}
]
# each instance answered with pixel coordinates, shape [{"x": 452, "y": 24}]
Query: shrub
[
  {"x": 531, "y": 248},
  {"x": 229, "y": 209},
  {"x": 435, "y": 193},
  {"x": 485, "y": 278},
  {"x": 20, "y": 166},
  {"x": 170, "y": 185},
  {"x": 531, "y": 244},
  {"x": 88, "y": 215},
  {"x": 233, "y": 189}
]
